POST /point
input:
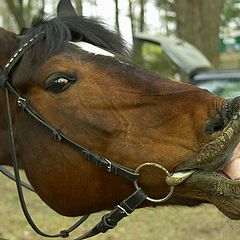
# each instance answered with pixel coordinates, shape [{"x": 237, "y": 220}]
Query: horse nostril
[
  {"x": 229, "y": 112},
  {"x": 216, "y": 124}
]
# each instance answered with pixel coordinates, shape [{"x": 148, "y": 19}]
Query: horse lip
[{"x": 224, "y": 193}]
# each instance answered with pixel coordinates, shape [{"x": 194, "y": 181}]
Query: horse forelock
[{"x": 60, "y": 30}]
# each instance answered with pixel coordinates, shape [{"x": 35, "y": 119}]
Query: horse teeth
[{"x": 179, "y": 177}]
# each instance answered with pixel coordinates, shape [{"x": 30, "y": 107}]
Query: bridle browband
[{"x": 109, "y": 220}]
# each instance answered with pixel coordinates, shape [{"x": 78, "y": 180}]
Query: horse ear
[{"x": 65, "y": 9}]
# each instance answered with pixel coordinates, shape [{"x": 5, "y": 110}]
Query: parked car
[{"x": 182, "y": 61}]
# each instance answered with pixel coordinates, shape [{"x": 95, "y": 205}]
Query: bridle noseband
[{"x": 110, "y": 220}]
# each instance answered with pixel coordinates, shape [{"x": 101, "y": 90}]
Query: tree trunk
[
  {"x": 166, "y": 9},
  {"x": 137, "y": 45},
  {"x": 198, "y": 22},
  {"x": 42, "y": 10},
  {"x": 142, "y": 16},
  {"x": 117, "y": 17},
  {"x": 23, "y": 11},
  {"x": 17, "y": 11},
  {"x": 131, "y": 16},
  {"x": 79, "y": 7}
]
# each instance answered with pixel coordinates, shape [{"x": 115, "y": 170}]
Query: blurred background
[
  {"x": 196, "y": 41},
  {"x": 195, "y": 21}
]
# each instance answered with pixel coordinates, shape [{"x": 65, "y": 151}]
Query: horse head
[{"x": 78, "y": 78}]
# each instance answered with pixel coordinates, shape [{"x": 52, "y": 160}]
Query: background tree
[
  {"x": 22, "y": 11},
  {"x": 117, "y": 26},
  {"x": 137, "y": 45},
  {"x": 166, "y": 14},
  {"x": 131, "y": 16},
  {"x": 198, "y": 22},
  {"x": 230, "y": 15},
  {"x": 79, "y": 7},
  {"x": 142, "y": 16}
]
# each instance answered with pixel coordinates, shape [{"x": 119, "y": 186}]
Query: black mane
[{"x": 62, "y": 29}]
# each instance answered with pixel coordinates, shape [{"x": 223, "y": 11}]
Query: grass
[
  {"x": 229, "y": 60},
  {"x": 162, "y": 223}
]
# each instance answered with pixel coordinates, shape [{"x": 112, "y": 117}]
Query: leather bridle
[{"x": 109, "y": 220}]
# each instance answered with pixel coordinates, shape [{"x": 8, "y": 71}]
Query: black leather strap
[
  {"x": 63, "y": 233},
  {"x": 8, "y": 174},
  {"x": 110, "y": 220},
  {"x": 3, "y": 78},
  {"x": 102, "y": 162}
]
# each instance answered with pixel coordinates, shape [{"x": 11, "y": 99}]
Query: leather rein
[{"x": 109, "y": 220}]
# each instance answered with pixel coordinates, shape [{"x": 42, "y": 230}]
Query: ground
[{"x": 162, "y": 223}]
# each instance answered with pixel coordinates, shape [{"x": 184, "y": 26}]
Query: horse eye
[{"x": 58, "y": 83}]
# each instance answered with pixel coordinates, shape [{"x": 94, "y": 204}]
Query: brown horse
[{"x": 78, "y": 78}]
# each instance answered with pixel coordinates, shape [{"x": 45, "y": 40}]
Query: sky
[{"x": 105, "y": 9}]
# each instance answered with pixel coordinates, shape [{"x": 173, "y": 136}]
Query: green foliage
[
  {"x": 166, "y": 10},
  {"x": 231, "y": 13},
  {"x": 154, "y": 59},
  {"x": 161, "y": 3}
]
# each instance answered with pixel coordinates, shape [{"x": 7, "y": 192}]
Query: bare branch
[{"x": 17, "y": 12}]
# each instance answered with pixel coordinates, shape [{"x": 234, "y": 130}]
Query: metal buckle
[
  {"x": 123, "y": 210},
  {"x": 109, "y": 167},
  {"x": 163, "y": 169},
  {"x": 22, "y": 102}
]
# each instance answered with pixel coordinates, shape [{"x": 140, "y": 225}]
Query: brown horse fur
[
  {"x": 114, "y": 108},
  {"x": 8, "y": 44}
]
